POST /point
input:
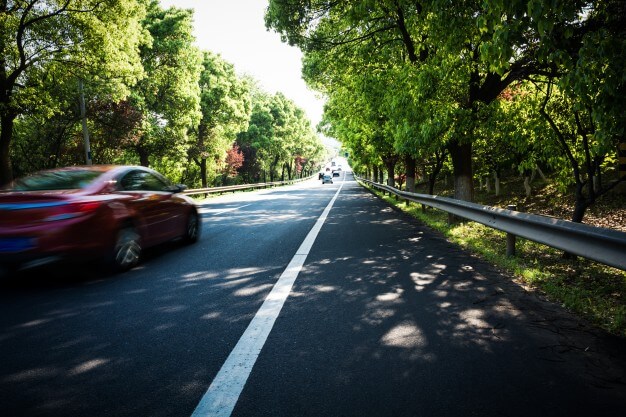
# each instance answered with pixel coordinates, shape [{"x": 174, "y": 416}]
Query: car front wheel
[{"x": 192, "y": 228}]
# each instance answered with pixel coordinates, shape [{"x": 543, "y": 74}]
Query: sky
[{"x": 236, "y": 30}]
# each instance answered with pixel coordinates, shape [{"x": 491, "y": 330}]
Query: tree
[
  {"x": 584, "y": 104},
  {"x": 364, "y": 35},
  {"x": 72, "y": 39},
  {"x": 256, "y": 139},
  {"x": 225, "y": 106},
  {"x": 168, "y": 97},
  {"x": 578, "y": 150},
  {"x": 278, "y": 134},
  {"x": 234, "y": 161}
]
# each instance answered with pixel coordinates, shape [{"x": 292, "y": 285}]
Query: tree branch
[{"x": 561, "y": 138}]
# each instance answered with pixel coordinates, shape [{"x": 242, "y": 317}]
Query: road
[{"x": 374, "y": 315}]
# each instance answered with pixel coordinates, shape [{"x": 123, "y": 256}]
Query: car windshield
[{"x": 56, "y": 180}]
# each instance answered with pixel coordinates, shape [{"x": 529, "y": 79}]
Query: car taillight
[{"x": 71, "y": 210}]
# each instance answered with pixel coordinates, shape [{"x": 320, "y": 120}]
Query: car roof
[{"x": 107, "y": 172}]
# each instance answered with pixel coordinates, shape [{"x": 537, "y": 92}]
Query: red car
[{"x": 104, "y": 212}]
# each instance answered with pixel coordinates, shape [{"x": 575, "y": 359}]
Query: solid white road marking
[{"x": 222, "y": 395}]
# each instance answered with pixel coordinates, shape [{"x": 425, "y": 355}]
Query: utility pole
[{"x": 84, "y": 121}]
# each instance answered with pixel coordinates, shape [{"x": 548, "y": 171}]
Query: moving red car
[{"x": 107, "y": 212}]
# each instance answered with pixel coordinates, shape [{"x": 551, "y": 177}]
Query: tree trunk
[
  {"x": 462, "y": 166},
  {"x": 6, "y": 134},
  {"x": 541, "y": 174},
  {"x": 391, "y": 175},
  {"x": 273, "y": 168},
  {"x": 375, "y": 169},
  {"x": 496, "y": 180},
  {"x": 431, "y": 184},
  {"x": 390, "y": 161},
  {"x": 143, "y": 156},
  {"x": 203, "y": 173},
  {"x": 581, "y": 202},
  {"x": 527, "y": 186},
  {"x": 621, "y": 154},
  {"x": 410, "y": 173}
]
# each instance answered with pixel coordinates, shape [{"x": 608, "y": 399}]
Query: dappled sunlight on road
[
  {"x": 423, "y": 280},
  {"x": 410, "y": 304},
  {"x": 245, "y": 292},
  {"x": 278, "y": 207},
  {"x": 372, "y": 311},
  {"x": 87, "y": 366},
  {"x": 237, "y": 274},
  {"x": 410, "y": 338},
  {"x": 172, "y": 309},
  {"x": 199, "y": 276},
  {"x": 294, "y": 192}
]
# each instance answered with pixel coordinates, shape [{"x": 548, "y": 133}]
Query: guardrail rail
[
  {"x": 600, "y": 244},
  {"x": 241, "y": 187}
]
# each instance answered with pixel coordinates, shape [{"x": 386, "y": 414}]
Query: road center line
[{"x": 222, "y": 395}]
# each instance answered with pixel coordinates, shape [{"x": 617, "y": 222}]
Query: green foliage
[
  {"x": 44, "y": 45},
  {"x": 225, "y": 111},
  {"x": 525, "y": 82},
  {"x": 152, "y": 97},
  {"x": 470, "y": 77},
  {"x": 168, "y": 96},
  {"x": 278, "y": 134}
]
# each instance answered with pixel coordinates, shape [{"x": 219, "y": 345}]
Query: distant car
[
  {"x": 101, "y": 212},
  {"x": 335, "y": 173},
  {"x": 327, "y": 179}
]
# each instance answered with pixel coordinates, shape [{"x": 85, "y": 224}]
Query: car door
[{"x": 155, "y": 207}]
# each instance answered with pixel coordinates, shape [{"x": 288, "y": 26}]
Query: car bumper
[{"x": 65, "y": 240}]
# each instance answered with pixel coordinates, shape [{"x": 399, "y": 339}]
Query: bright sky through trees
[{"x": 236, "y": 30}]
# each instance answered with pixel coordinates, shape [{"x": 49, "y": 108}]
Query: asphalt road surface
[{"x": 308, "y": 300}]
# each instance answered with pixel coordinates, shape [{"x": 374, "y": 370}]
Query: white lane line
[{"x": 222, "y": 395}]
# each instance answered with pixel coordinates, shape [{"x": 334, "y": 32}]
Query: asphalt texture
[{"x": 386, "y": 319}]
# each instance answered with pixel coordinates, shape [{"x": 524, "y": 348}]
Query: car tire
[
  {"x": 126, "y": 251},
  {"x": 192, "y": 228}
]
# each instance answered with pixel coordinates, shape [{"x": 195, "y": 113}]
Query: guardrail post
[{"x": 510, "y": 237}]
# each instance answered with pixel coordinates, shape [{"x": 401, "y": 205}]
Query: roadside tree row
[
  {"x": 152, "y": 97},
  {"x": 477, "y": 87}
]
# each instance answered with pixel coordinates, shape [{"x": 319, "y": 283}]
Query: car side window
[
  {"x": 153, "y": 183},
  {"x": 133, "y": 181},
  {"x": 142, "y": 181}
]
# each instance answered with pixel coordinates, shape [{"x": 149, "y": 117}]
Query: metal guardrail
[
  {"x": 603, "y": 245},
  {"x": 240, "y": 187}
]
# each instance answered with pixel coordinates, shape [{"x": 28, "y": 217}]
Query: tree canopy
[
  {"x": 415, "y": 80},
  {"x": 152, "y": 97},
  {"x": 47, "y": 43}
]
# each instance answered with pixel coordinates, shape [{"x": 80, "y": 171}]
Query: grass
[{"x": 591, "y": 290}]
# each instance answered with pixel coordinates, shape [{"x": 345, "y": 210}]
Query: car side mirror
[{"x": 176, "y": 188}]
